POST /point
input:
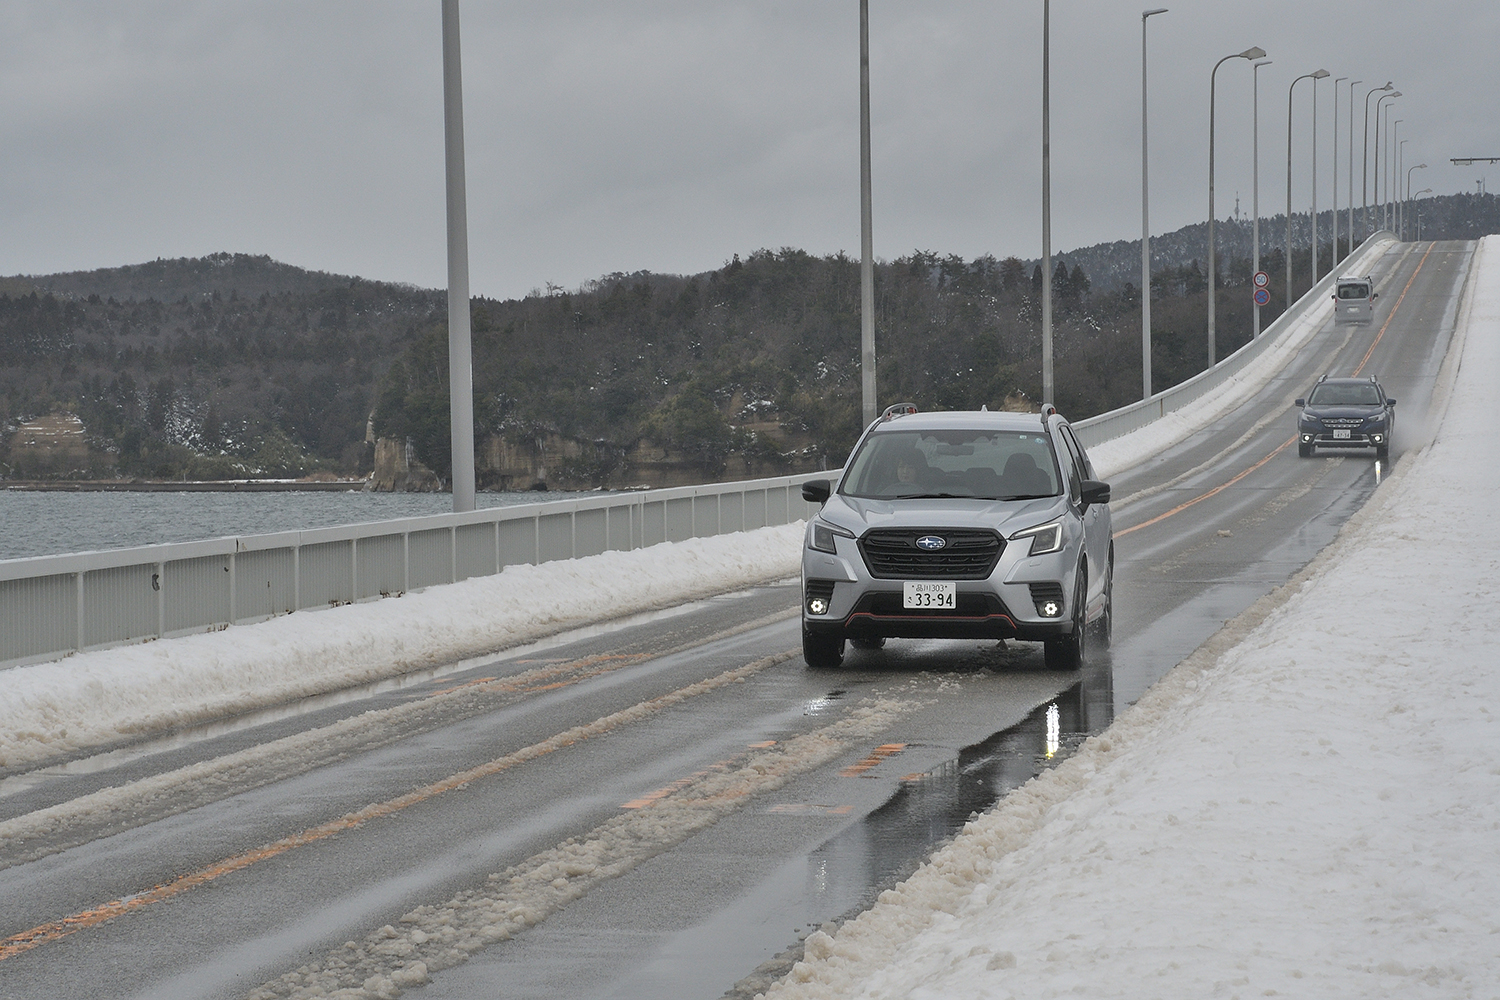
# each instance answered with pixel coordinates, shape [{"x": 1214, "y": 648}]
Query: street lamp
[
  {"x": 1419, "y": 210},
  {"x": 1255, "y": 186},
  {"x": 1252, "y": 54},
  {"x": 1392, "y": 156},
  {"x": 1319, "y": 75},
  {"x": 1145, "y": 224},
  {"x": 866, "y": 234},
  {"x": 460, "y": 353},
  {"x": 1315, "y": 75},
  {"x": 1419, "y": 166},
  {"x": 1352, "y": 85},
  {"x": 1046, "y": 202},
  {"x": 1334, "y": 257},
  {"x": 1379, "y": 149},
  {"x": 1364, "y": 181}
]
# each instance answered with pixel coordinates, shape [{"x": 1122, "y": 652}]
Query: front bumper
[
  {"x": 1323, "y": 438},
  {"x": 1004, "y": 605}
]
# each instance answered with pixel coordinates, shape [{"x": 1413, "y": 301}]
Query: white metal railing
[
  {"x": 53, "y": 605},
  {"x": 1106, "y": 426}
]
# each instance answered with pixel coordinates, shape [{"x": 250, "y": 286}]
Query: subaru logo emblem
[{"x": 931, "y": 543}]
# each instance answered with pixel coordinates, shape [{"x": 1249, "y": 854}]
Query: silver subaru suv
[{"x": 960, "y": 525}]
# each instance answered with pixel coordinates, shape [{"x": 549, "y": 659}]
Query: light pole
[
  {"x": 1047, "y": 385},
  {"x": 1375, "y": 182},
  {"x": 1319, "y": 75},
  {"x": 866, "y": 234},
  {"x": 460, "y": 353},
  {"x": 1352, "y": 85},
  {"x": 1145, "y": 223},
  {"x": 1252, "y": 54},
  {"x": 1315, "y": 75},
  {"x": 1333, "y": 259},
  {"x": 1255, "y": 185},
  {"x": 1419, "y": 210},
  {"x": 1407, "y": 199},
  {"x": 1364, "y": 180},
  {"x": 1393, "y": 158}
]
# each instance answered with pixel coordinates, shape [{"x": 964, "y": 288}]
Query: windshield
[
  {"x": 989, "y": 464},
  {"x": 1346, "y": 394},
  {"x": 1359, "y": 291}
]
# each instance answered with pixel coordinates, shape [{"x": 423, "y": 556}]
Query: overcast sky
[{"x": 667, "y": 135}]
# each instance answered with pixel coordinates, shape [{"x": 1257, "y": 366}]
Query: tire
[
  {"x": 1304, "y": 451},
  {"x": 1071, "y": 651},
  {"x": 867, "y": 643},
  {"x": 1104, "y": 628},
  {"x": 822, "y": 652}
]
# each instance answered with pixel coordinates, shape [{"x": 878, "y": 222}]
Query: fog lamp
[
  {"x": 817, "y": 605},
  {"x": 1051, "y": 609},
  {"x": 1307, "y": 438},
  {"x": 1377, "y": 438}
]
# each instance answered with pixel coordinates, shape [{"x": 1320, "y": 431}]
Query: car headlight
[
  {"x": 821, "y": 536},
  {"x": 1377, "y": 419},
  {"x": 1044, "y": 537}
]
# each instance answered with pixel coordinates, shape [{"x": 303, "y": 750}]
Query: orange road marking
[
  {"x": 16, "y": 944},
  {"x": 1293, "y": 439},
  {"x": 877, "y": 755}
]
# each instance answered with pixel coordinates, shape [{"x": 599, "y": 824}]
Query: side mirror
[
  {"x": 1300, "y": 402},
  {"x": 1334, "y": 296},
  {"x": 1374, "y": 296},
  {"x": 1390, "y": 402},
  {"x": 816, "y": 490},
  {"x": 1095, "y": 492}
]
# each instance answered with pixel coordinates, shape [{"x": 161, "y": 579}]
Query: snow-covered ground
[{"x": 1307, "y": 807}]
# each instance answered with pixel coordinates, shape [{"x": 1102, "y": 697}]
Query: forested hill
[{"x": 234, "y": 365}]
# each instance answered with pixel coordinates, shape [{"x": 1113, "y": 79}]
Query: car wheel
[
  {"x": 1304, "y": 451},
  {"x": 1070, "y": 652},
  {"x": 867, "y": 643},
  {"x": 822, "y": 651},
  {"x": 1104, "y": 628}
]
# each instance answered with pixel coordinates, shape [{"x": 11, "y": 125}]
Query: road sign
[
  {"x": 1261, "y": 279},
  {"x": 1262, "y": 297}
]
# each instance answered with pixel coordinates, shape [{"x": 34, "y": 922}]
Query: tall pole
[
  {"x": 1388, "y": 206},
  {"x": 1396, "y": 201},
  {"x": 1289, "y": 90},
  {"x": 1375, "y": 182},
  {"x": 460, "y": 352},
  {"x": 1365, "y": 171},
  {"x": 1047, "y": 384},
  {"x": 866, "y": 237},
  {"x": 1408, "y": 199},
  {"x": 1255, "y": 185},
  {"x": 1314, "y": 143},
  {"x": 1213, "y": 78},
  {"x": 1145, "y": 224},
  {"x": 1352, "y": 85},
  {"x": 1334, "y": 201}
]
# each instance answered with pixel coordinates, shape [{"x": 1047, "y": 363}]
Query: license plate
[
  {"x": 928, "y": 594},
  {"x": 1341, "y": 435}
]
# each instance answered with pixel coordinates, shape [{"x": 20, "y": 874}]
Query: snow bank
[
  {"x": 1114, "y": 456},
  {"x": 92, "y": 698},
  {"x": 1311, "y": 811}
]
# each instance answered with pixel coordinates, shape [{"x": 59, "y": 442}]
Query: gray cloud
[{"x": 668, "y": 135}]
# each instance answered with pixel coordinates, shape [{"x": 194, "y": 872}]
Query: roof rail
[{"x": 898, "y": 410}]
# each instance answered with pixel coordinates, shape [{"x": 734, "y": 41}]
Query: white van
[{"x": 1353, "y": 299}]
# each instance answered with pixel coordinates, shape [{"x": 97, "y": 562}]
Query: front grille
[
  {"x": 1342, "y": 422},
  {"x": 969, "y": 554},
  {"x": 969, "y": 606}
]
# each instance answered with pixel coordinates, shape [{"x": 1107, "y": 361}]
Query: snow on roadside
[
  {"x": 96, "y": 697},
  {"x": 1114, "y": 456},
  {"x": 1306, "y": 807}
]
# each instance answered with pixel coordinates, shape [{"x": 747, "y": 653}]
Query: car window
[
  {"x": 1075, "y": 466},
  {"x": 1075, "y": 445},
  {"x": 1346, "y": 394},
  {"x": 953, "y": 462},
  {"x": 1354, "y": 291}
]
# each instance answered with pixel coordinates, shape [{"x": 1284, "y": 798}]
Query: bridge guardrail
[
  {"x": 53, "y": 605},
  {"x": 1107, "y": 426}
]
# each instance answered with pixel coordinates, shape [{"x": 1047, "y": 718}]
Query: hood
[
  {"x": 1350, "y": 412},
  {"x": 1005, "y": 516}
]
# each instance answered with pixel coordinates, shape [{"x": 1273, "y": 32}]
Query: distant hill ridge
[{"x": 171, "y": 279}]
